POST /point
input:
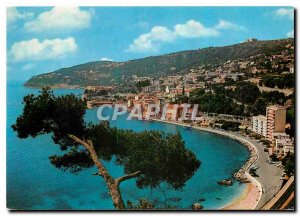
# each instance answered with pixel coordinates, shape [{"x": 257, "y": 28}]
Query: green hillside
[{"x": 108, "y": 73}]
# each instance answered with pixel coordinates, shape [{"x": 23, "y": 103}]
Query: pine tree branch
[{"x": 126, "y": 177}]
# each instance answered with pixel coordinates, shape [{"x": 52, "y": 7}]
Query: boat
[{"x": 225, "y": 182}]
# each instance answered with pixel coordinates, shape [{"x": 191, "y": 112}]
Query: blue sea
[{"x": 34, "y": 184}]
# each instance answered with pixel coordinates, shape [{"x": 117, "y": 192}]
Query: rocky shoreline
[{"x": 240, "y": 174}]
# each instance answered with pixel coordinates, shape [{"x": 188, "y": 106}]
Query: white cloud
[
  {"x": 150, "y": 42},
  {"x": 28, "y": 66},
  {"x": 194, "y": 29},
  {"x": 161, "y": 33},
  {"x": 13, "y": 14},
  {"x": 285, "y": 12},
  {"x": 143, "y": 44},
  {"x": 226, "y": 25},
  {"x": 106, "y": 59},
  {"x": 290, "y": 34},
  {"x": 60, "y": 18},
  {"x": 35, "y": 50}
]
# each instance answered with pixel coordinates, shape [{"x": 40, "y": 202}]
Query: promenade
[{"x": 268, "y": 174}]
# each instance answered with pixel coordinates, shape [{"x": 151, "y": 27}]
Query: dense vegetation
[
  {"x": 245, "y": 99},
  {"x": 229, "y": 125},
  {"x": 155, "y": 66},
  {"x": 245, "y": 92},
  {"x": 151, "y": 157},
  {"x": 281, "y": 81},
  {"x": 142, "y": 84},
  {"x": 289, "y": 164},
  {"x": 215, "y": 103},
  {"x": 290, "y": 117}
]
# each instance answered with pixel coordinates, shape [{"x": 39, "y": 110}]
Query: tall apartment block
[
  {"x": 259, "y": 125},
  {"x": 276, "y": 120}
]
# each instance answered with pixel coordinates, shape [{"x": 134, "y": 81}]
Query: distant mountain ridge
[{"x": 109, "y": 73}]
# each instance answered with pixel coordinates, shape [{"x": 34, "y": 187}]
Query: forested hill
[{"x": 109, "y": 73}]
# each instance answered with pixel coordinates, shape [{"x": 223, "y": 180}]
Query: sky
[{"x": 44, "y": 39}]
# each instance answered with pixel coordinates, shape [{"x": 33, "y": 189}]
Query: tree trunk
[
  {"x": 112, "y": 184},
  {"x": 116, "y": 196}
]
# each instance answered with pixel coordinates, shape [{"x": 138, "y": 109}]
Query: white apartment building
[
  {"x": 259, "y": 125},
  {"x": 283, "y": 147},
  {"x": 283, "y": 144}
]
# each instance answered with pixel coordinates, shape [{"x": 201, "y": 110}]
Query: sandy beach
[{"x": 247, "y": 201}]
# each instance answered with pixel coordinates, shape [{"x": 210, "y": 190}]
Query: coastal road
[
  {"x": 287, "y": 92},
  {"x": 268, "y": 175}
]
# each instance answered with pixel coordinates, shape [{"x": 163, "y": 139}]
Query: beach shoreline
[
  {"x": 245, "y": 200},
  {"x": 250, "y": 197}
]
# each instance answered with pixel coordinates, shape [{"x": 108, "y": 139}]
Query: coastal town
[
  {"x": 150, "y": 108},
  {"x": 270, "y": 78},
  {"x": 270, "y": 126}
]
